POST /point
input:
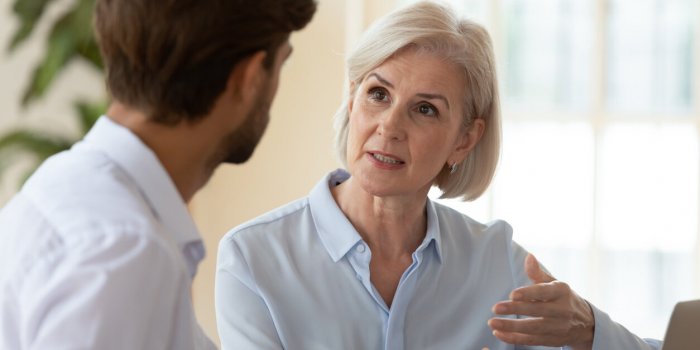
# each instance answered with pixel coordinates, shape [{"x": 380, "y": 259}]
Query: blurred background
[{"x": 601, "y": 109}]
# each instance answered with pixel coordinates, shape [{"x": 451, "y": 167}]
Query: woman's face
[{"x": 406, "y": 124}]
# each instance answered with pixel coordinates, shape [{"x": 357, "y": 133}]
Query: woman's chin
[{"x": 383, "y": 189}]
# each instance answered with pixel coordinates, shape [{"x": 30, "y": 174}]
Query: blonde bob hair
[{"x": 434, "y": 28}]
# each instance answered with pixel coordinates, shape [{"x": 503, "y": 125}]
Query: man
[{"x": 98, "y": 251}]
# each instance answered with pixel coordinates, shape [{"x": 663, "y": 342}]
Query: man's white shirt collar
[{"x": 143, "y": 166}]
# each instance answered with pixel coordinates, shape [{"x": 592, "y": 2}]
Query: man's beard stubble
[
  {"x": 242, "y": 142},
  {"x": 239, "y": 146}
]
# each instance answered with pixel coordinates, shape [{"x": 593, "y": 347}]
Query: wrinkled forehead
[
  {"x": 412, "y": 70},
  {"x": 418, "y": 60}
]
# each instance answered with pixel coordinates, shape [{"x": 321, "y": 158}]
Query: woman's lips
[{"x": 384, "y": 160}]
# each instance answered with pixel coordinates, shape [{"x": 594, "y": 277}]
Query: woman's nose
[{"x": 391, "y": 124}]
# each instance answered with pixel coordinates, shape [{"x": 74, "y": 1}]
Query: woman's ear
[
  {"x": 248, "y": 77},
  {"x": 468, "y": 140}
]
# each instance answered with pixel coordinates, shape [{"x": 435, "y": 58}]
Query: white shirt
[
  {"x": 98, "y": 251},
  {"x": 298, "y": 278}
]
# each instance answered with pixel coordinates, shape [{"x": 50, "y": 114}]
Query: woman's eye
[
  {"x": 427, "y": 109},
  {"x": 378, "y": 94}
]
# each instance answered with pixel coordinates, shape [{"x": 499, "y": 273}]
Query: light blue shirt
[
  {"x": 98, "y": 251},
  {"x": 298, "y": 278}
]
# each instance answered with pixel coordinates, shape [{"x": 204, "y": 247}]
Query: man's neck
[{"x": 177, "y": 147}]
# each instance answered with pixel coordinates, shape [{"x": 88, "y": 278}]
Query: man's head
[
  {"x": 237, "y": 146},
  {"x": 172, "y": 59}
]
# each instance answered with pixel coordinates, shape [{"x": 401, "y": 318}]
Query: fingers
[
  {"x": 534, "y": 326},
  {"x": 525, "y": 309},
  {"x": 541, "y": 300},
  {"x": 544, "y": 331},
  {"x": 528, "y": 339},
  {"x": 529, "y": 331},
  {"x": 534, "y": 270},
  {"x": 557, "y": 316},
  {"x": 541, "y": 292}
]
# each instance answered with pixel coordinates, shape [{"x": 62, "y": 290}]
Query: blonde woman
[{"x": 367, "y": 261}]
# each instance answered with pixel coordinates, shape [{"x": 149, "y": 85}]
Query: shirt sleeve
[
  {"x": 243, "y": 319},
  {"x": 100, "y": 292},
  {"x": 607, "y": 334},
  {"x": 610, "y": 335}
]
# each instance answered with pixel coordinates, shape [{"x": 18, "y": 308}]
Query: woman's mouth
[{"x": 386, "y": 159}]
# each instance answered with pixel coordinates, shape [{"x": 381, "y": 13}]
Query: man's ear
[{"x": 248, "y": 76}]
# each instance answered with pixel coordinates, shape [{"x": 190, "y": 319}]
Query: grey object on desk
[{"x": 683, "y": 332}]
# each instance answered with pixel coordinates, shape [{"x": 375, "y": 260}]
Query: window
[{"x": 599, "y": 171}]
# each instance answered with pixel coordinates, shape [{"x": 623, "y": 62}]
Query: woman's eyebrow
[
  {"x": 381, "y": 80},
  {"x": 433, "y": 97},
  {"x": 424, "y": 95}
]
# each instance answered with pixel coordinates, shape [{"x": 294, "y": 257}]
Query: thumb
[{"x": 535, "y": 272}]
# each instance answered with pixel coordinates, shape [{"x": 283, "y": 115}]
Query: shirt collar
[
  {"x": 143, "y": 166},
  {"x": 335, "y": 230},
  {"x": 433, "y": 232}
]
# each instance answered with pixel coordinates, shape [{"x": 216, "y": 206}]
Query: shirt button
[{"x": 361, "y": 248}]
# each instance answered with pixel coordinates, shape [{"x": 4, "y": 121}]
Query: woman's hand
[{"x": 558, "y": 316}]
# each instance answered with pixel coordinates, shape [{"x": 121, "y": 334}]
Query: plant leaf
[
  {"x": 58, "y": 54},
  {"x": 86, "y": 45},
  {"x": 38, "y": 144},
  {"x": 91, "y": 53},
  {"x": 69, "y": 35},
  {"x": 28, "y": 12}
]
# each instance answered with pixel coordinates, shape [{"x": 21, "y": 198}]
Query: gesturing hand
[{"x": 558, "y": 316}]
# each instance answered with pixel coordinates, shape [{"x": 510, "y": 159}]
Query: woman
[{"x": 367, "y": 261}]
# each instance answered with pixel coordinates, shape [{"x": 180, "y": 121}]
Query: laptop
[{"x": 683, "y": 332}]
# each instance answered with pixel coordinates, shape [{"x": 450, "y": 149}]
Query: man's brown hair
[{"x": 172, "y": 58}]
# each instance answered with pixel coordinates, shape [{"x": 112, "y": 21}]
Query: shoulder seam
[{"x": 259, "y": 221}]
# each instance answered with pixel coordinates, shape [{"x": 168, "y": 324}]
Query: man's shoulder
[
  {"x": 39, "y": 239},
  {"x": 78, "y": 188},
  {"x": 75, "y": 201}
]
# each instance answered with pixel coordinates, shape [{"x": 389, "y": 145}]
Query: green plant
[{"x": 70, "y": 38}]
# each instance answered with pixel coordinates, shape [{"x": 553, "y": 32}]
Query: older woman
[{"x": 367, "y": 261}]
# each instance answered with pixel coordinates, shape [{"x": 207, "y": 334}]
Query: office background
[{"x": 599, "y": 172}]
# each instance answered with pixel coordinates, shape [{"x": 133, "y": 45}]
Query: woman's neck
[{"x": 392, "y": 226}]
